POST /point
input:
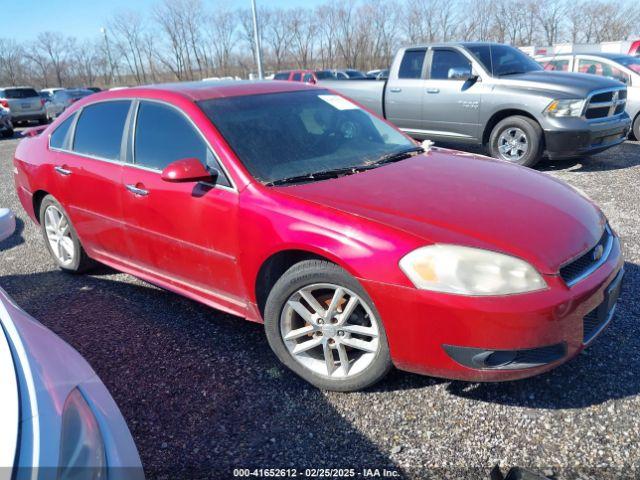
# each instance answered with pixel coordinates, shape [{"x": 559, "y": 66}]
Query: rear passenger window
[
  {"x": 296, "y": 77},
  {"x": 281, "y": 76},
  {"x": 99, "y": 129},
  {"x": 164, "y": 135},
  {"x": 60, "y": 136},
  {"x": 411, "y": 65}
]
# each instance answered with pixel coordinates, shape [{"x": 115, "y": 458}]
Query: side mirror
[
  {"x": 7, "y": 223},
  {"x": 188, "y": 170},
  {"x": 459, "y": 73}
]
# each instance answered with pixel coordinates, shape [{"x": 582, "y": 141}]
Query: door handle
[
  {"x": 138, "y": 191},
  {"x": 62, "y": 170},
  {"x": 433, "y": 90},
  {"x": 395, "y": 89}
]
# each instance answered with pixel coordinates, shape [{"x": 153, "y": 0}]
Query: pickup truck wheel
[
  {"x": 321, "y": 324},
  {"x": 61, "y": 238},
  {"x": 517, "y": 140}
]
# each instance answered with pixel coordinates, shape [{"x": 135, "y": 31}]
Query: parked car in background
[
  {"x": 371, "y": 252},
  {"x": 94, "y": 89},
  {"x": 47, "y": 93},
  {"x": 63, "y": 99},
  {"x": 306, "y": 76},
  {"x": 24, "y": 104},
  {"x": 6, "y": 125},
  {"x": 56, "y": 415},
  {"x": 496, "y": 96},
  {"x": 624, "y": 68},
  {"x": 378, "y": 74}
]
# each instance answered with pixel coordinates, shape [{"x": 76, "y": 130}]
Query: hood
[
  {"x": 576, "y": 85},
  {"x": 451, "y": 197}
]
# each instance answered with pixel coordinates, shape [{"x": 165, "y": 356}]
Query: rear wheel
[
  {"x": 321, "y": 324},
  {"x": 8, "y": 133},
  {"x": 518, "y": 140},
  {"x": 61, "y": 238}
]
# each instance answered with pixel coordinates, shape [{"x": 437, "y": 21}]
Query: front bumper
[
  {"x": 572, "y": 137},
  {"x": 421, "y": 326}
]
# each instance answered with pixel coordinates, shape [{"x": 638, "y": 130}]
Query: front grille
[
  {"x": 606, "y": 104},
  {"x": 573, "y": 271}
]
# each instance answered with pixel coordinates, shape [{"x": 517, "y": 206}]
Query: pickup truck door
[
  {"x": 404, "y": 94},
  {"x": 451, "y": 106}
]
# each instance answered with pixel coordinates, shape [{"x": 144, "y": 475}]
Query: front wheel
[
  {"x": 321, "y": 324},
  {"x": 518, "y": 140},
  {"x": 61, "y": 238}
]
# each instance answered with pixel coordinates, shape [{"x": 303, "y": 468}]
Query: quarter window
[
  {"x": 411, "y": 65},
  {"x": 163, "y": 135},
  {"x": 60, "y": 136},
  {"x": 445, "y": 60},
  {"x": 99, "y": 129}
]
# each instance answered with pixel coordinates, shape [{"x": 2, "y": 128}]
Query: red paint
[
  {"x": 210, "y": 243},
  {"x": 187, "y": 170}
]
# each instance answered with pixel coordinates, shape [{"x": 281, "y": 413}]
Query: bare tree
[{"x": 12, "y": 67}]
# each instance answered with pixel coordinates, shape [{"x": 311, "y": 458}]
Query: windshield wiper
[
  {"x": 337, "y": 172},
  {"x": 393, "y": 157},
  {"x": 321, "y": 175}
]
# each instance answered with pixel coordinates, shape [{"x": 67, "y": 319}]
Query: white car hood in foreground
[{"x": 9, "y": 408}]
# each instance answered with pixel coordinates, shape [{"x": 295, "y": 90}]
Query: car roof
[{"x": 197, "y": 91}]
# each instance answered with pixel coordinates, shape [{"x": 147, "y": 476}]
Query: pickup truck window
[
  {"x": 296, "y": 77},
  {"x": 281, "y": 76},
  {"x": 501, "y": 60},
  {"x": 411, "y": 65},
  {"x": 444, "y": 60},
  {"x": 282, "y": 135}
]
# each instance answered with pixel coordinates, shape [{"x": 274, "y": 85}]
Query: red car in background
[
  {"x": 306, "y": 76},
  {"x": 287, "y": 204}
]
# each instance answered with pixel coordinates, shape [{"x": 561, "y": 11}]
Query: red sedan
[{"x": 286, "y": 204}]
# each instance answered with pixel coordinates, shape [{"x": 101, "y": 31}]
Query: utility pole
[
  {"x": 106, "y": 41},
  {"x": 256, "y": 37}
]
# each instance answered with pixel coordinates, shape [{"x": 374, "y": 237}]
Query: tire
[
  {"x": 321, "y": 280},
  {"x": 524, "y": 131},
  {"x": 636, "y": 128},
  {"x": 69, "y": 255},
  {"x": 8, "y": 133},
  {"x": 43, "y": 121}
]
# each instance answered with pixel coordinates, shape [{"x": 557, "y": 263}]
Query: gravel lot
[{"x": 203, "y": 394}]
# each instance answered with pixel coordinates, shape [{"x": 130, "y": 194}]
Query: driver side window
[
  {"x": 445, "y": 60},
  {"x": 163, "y": 135}
]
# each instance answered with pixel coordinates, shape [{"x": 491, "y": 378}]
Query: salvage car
[
  {"x": 495, "y": 96},
  {"x": 61, "y": 99},
  {"x": 288, "y": 204},
  {"x": 624, "y": 68},
  {"x": 56, "y": 414}
]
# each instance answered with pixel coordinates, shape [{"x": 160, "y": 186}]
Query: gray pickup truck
[{"x": 496, "y": 96}]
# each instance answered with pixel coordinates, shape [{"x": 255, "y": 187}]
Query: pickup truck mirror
[
  {"x": 188, "y": 170},
  {"x": 459, "y": 73}
]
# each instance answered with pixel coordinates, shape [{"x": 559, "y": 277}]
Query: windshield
[
  {"x": 502, "y": 59},
  {"x": 20, "y": 93},
  {"x": 290, "y": 134},
  {"x": 632, "y": 63}
]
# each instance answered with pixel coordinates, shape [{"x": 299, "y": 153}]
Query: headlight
[
  {"x": 469, "y": 271},
  {"x": 82, "y": 453},
  {"x": 565, "y": 108}
]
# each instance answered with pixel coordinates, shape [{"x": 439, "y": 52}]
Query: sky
[{"x": 24, "y": 19}]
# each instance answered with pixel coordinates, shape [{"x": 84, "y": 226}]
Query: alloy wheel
[
  {"x": 58, "y": 232},
  {"x": 513, "y": 144},
  {"x": 330, "y": 330}
]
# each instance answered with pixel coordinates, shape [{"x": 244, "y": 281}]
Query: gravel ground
[{"x": 203, "y": 394}]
